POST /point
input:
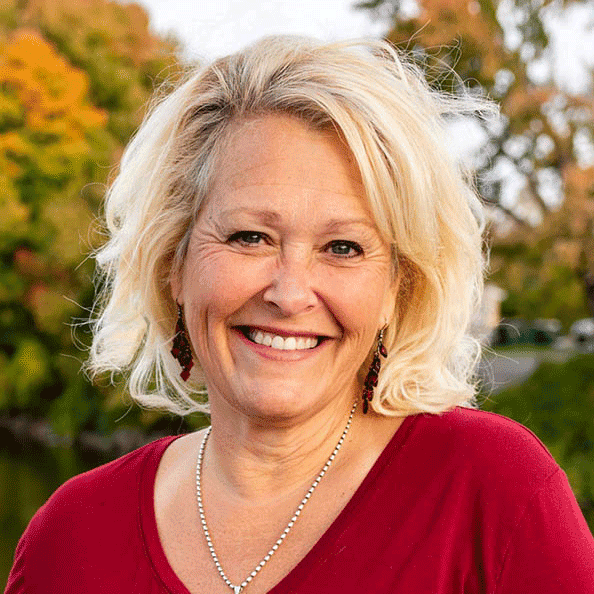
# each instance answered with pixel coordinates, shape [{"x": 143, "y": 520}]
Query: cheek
[
  {"x": 357, "y": 300},
  {"x": 220, "y": 283}
]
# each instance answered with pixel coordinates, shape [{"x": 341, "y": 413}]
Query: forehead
[{"x": 272, "y": 159}]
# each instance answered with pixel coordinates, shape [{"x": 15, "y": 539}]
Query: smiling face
[{"x": 286, "y": 281}]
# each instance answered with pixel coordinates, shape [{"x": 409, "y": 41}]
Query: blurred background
[{"x": 75, "y": 76}]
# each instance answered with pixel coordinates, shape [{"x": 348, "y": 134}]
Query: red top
[{"x": 463, "y": 502}]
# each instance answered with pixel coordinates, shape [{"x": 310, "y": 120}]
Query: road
[{"x": 503, "y": 370}]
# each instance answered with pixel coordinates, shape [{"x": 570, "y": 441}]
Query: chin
[{"x": 278, "y": 405}]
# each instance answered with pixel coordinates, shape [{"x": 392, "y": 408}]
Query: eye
[
  {"x": 246, "y": 237},
  {"x": 345, "y": 249}
]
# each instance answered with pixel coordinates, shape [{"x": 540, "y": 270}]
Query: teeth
[{"x": 291, "y": 343}]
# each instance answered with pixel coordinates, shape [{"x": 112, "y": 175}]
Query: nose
[{"x": 291, "y": 288}]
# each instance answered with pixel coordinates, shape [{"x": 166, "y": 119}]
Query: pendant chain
[{"x": 252, "y": 575}]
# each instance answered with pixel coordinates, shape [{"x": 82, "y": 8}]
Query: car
[
  {"x": 582, "y": 334},
  {"x": 517, "y": 331}
]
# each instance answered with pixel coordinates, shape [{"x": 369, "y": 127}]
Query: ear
[
  {"x": 389, "y": 305},
  {"x": 175, "y": 285}
]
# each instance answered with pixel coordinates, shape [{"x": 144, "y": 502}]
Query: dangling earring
[
  {"x": 181, "y": 349},
  {"x": 374, "y": 369}
]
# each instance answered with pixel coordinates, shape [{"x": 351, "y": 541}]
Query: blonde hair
[{"x": 422, "y": 202}]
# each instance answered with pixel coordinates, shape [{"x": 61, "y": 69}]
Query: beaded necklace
[{"x": 276, "y": 545}]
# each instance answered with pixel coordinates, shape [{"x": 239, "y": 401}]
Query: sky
[
  {"x": 213, "y": 28},
  {"x": 573, "y": 46}
]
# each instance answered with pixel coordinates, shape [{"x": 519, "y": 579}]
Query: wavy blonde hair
[{"x": 422, "y": 201}]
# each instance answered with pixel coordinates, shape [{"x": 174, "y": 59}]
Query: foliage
[
  {"x": 112, "y": 43},
  {"x": 538, "y": 284},
  {"x": 74, "y": 78},
  {"x": 557, "y": 404},
  {"x": 536, "y": 170}
]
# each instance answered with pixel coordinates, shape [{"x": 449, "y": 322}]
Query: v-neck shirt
[{"x": 465, "y": 502}]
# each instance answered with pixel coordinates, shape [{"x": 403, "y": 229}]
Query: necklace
[{"x": 252, "y": 575}]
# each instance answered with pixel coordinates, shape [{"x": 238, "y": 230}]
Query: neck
[{"x": 256, "y": 460}]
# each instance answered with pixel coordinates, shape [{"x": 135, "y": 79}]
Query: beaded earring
[
  {"x": 374, "y": 369},
  {"x": 181, "y": 349}
]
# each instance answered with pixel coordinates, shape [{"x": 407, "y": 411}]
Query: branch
[
  {"x": 533, "y": 190},
  {"x": 512, "y": 215}
]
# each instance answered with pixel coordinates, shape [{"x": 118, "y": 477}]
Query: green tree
[
  {"x": 74, "y": 80},
  {"x": 49, "y": 139}
]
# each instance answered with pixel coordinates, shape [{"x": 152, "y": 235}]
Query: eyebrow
[
  {"x": 266, "y": 216},
  {"x": 271, "y": 217}
]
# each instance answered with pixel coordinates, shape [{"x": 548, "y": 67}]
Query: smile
[{"x": 281, "y": 343}]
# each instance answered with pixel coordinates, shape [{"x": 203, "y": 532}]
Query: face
[{"x": 286, "y": 280}]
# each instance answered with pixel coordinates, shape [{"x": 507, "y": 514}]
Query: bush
[{"x": 557, "y": 404}]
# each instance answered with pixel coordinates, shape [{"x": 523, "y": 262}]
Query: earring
[
  {"x": 374, "y": 369},
  {"x": 181, "y": 349}
]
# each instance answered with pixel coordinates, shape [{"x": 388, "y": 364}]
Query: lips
[{"x": 281, "y": 341}]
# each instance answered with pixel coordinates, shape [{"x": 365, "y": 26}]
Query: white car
[{"x": 582, "y": 333}]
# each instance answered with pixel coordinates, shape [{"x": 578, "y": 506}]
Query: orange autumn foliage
[
  {"x": 52, "y": 98},
  {"x": 74, "y": 78}
]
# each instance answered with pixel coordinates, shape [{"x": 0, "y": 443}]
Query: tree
[
  {"x": 535, "y": 171},
  {"x": 49, "y": 137},
  {"x": 111, "y": 42},
  {"x": 74, "y": 78}
]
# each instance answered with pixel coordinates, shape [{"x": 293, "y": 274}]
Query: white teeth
[{"x": 291, "y": 343}]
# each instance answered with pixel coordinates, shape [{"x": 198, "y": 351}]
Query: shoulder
[
  {"x": 111, "y": 480},
  {"x": 91, "y": 522},
  {"x": 95, "y": 500},
  {"x": 486, "y": 445},
  {"x": 476, "y": 432}
]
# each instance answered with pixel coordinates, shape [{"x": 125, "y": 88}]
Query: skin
[{"x": 285, "y": 242}]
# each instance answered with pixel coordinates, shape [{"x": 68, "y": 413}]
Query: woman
[{"x": 288, "y": 229}]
